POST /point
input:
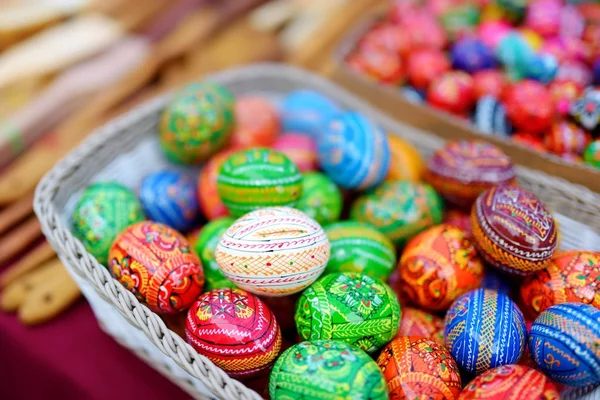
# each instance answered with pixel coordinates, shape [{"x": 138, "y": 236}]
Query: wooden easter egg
[
  {"x": 419, "y": 323},
  {"x": 437, "y": 266},
  {"x": 157, "y": 264},
  {"x": 460, "y": 171},
  {"x": 571, "y": 276},
  {"x": 256, "y": 178},
  {"x": 529, "y": 106},
  {"x": 358, "y": 247},
  {"x": 326, "y": 369},
  {"x": 484, "y": 329},
  {"x": 208, "y": 196},
  {"x": 399, "y": 209},
  {"x": 103, "y": 211},
  {"x": 274, "y": 251},
  {"x": 377, "y": 64},
  {"x": 510, "y": 382},
  {"x": 300, "y": 148},
  {"x": 197, "y": 123},
  {"x": 256, "y": 123},
  {"x": 563, "y": 343},
  {"x": 453, "y": 92},
  {"x": 169, "y": 197},
  {"x": 567, "y": 138},
  {"x": 513, "y": 230},
  {"x": 353, "y": 151},
  {"x": 406, "y": 162},
  {"x": 235, "y": 330},
  {"x": 350, "y": 307},
  {"x": 306, "y": 111},
  {"x": 459, "y": 219},
  {"x": 417, "y": 367},
  {"x": 205, "y": 246},
  {"x": 321, "y": 199}
]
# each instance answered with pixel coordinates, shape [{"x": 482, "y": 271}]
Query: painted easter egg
[
  {"x": 566, "y": 137},
  {"x": 306, "y": 111},
  {"x": 437, "y": 266},
  {"x": 301, "y": 149},
  {"x": 157, "y": 264},
  {"x": 492, "y": 32},
  {"x": 104, "y": 210},
  {"x": 235, "y": 330},
  {"x": 197, "y": 123},
  {"x": 425, "y": 31},
  {"x": 563, "y": 343},
  {"x": 321, "y": 199},
  {"x": 419, "y": 323},
  {"x": 416, "y": 367},
  {"x": 459, "y": 219},
  {"x": 508, "y": 382},
  {"x": 490, "y": 117},
  {"x": 208, "y": 196},
  {"x": 515, "y": 54},
  {"x": 350, "y": 307},
  {"x": 575, "y": 71},
  {"x": 564, "y": 93},
  {"x": 399, "y": 209},
  {"x": 483, "y": 330},
  {"x": 387, "y": 37},
  {"x": 379, "y": 65},
  {"x": 591, "y": 154},
  {"x": 453, "y": 92},
  {"x": 543, "y": 16},
  {"x": 570, "y": 276},
  {"x": 205, "y": 246},
  {"x": 460, "y": 171},
  {"x": 406, "y": 163},
  {"x": 586, "y": 110},
  {"x": 358, "y": 247},
  {"x": 471, "y": 55},
  {"x": 256, "y": 178},
  {"x": 326, "y": 369},
  {"x": 274, "y": 251},
  {"x": 169, "y": 197},
  {"x": 354, "y": 152},
  {"x": 542, "y": 68},
  {"x": 513, "y": 230},
  {"x": 423, "y": 66},
  {"x": 529, "y": 106},
  {"x": 489, "y": 82},
  {"x": 256, "y": 122}
]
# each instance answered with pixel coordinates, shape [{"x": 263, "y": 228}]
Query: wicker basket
[{"x": 127, "y": 149}]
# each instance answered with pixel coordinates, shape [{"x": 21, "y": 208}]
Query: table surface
[{"x": 72, "y": 358}]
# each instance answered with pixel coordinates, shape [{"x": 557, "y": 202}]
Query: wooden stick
[
  {"x": 19, "y": 238},
  {"x": 16, "y": 212},
  {"x": 28, "y": 263}
]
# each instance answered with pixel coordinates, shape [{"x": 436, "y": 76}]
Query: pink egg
[
  {"x": 301, "y": 149},
  {"x": 492, "y": 32},
  {"x": 574, "y": 71},
  {"x": 543, "y": 16}
]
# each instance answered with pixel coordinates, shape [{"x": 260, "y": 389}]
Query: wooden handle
[
  {"x": 14, "y": 294},
  {"x": 19, "y": 238},
  {"x": 28, "y": 263}
]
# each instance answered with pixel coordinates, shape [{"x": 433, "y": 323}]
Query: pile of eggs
[
  {"x": 324, "y": 259},
  {"x": 519, "y": 69}
]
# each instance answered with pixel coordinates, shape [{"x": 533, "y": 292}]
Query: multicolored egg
[
  {"x": 157, "y": 264},
  {"x": 483, "y": 330},
  {"x": 197, "y": 123},
  {"x": 321, "y": 199},
  {"x": 416, "y": 367},
  {"x": 510, "y": 382},
  {"x": 387, "y": 37},
  {"x": 453, "y": 92},
  {"x": 358, "y": 247},
  {"x": 205, "y": 246},
  {"x": 437, "y": 266},
  {"x": 274, "y": 251},
  {"x": 378, "y": 64},
  {"x": 418, "y": 323},
  {"x": 471, "y": 55},
  {"x": 425, "y": 65},
  {"x": 489, "y": 82},
  {"x": 543, "y": 16},
  {"x": 406, "y": 163},
  {"x": 169, "y": 197},
  {"x": 326, "y": 369},
  {"x": 591, "y": 154},
  {"x": 490, "y": 117},
  {"x": 256, "y": 178},
  {"x": 515, "y": 54},
  {"x": 564, "y": 93},
  {"x": 586, "y": 110},
  {"x": 570, "y": 276},
  {"x": 349, "y": 307},
  {"x": 529, "y": 106},
  {"x": 459, "y": 219},
  {"x": 235, "y": 330},
  {"x": 513, "y": 230},
  {"x": 299, "y": 148},
  {"x": 208, "y": 196},
  {"x": 354, "y": 152},
  {"x": 399, "y": 209},
  {"x": 460, "y": 171},
  {"x": 566, "y": 137},
  {"x": 563, "y": 343},
  {"x": 104, "y": 210},
  {"x": 256, "y": 123},
  {"x": 306, "y": 111}
]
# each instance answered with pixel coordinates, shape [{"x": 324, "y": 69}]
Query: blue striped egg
[
  {"x": 306, "y": 111},
  {"x": 490, "y": 117},
  {"x": 354, "y": 152},
  {"x": 564, "y": 343},
  {"x": 484, "y": 329},
  {"x": 170, "y": 197}
]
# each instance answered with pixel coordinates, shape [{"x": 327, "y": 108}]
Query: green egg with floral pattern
[
  {"x": 358, "y": 247},
  {"x": 205, "y": 245},
  {"x": 258, "y": 178},
  {"x": 399, "y": 209},
  {"x": 197, "y": 123},
  {"x": 321, "y": 198},
  {"x": 103, "y": 211}
]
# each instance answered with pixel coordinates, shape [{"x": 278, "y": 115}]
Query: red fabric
[{"x": 71, "y": 358}]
